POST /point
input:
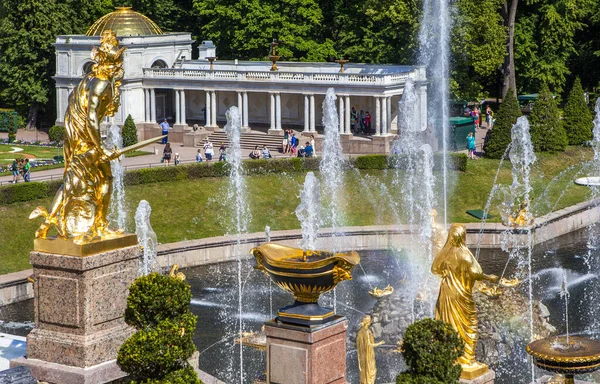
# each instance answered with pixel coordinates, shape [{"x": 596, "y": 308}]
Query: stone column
[
  {"x": 312, "y": 113},
  {"x": 306, "y": 114},
  {"x": 273, "y": 111},
  {"x": 347, "y": 113},
  {"x": 183, "y": 111},
  {"x": 240, "y": 102},
  {"x": 297, "y": 354},
  {"x": 213, "y": 108},
  {"x": 278, "y": 111},
  {"x": 389, "y": 114},
  {"x": 146, "y": 105},
  {"x": 153, "y": 105},
  {"x": 384, "y": 121},
  {"x": 422, "y": 110},
  {"x": 341, "y": 113},
  {"x": 208, "y": 108},
  {"x": 177, "y": 108},
  {"x": 80, "y": 300},
  {"x": 245, "y": 110},
  {"x": 377, "y": 116}
]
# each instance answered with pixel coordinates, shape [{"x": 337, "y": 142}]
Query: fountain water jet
[
  {"x": 117, "y": 215},
  {"x": 236, "y": 196},
  {"x": 146, "y": 238}
]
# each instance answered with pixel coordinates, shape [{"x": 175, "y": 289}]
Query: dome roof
[{"x": 125, "y": 22}]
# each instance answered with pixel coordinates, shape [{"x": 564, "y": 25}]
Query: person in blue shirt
[
  {"x": 165, "y": 130},
  {"x": 308, "y": 150},
  {"x": 293, "y": 143},
  {"x": 471, "y": 145}
]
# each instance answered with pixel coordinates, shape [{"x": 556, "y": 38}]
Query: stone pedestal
[
  {"x": 79, "y": 306},
  {"x": 486, "y": 378},
  {"x": 276, "y": 132},
  {"x": 306, "y": 355}
]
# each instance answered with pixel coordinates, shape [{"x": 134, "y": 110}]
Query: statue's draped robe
[
  {"x": 455, "y": 306},
  {"x": 366, "y": 356}
]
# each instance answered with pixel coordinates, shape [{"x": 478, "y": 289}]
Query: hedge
[{"x": 20, "y": 192}]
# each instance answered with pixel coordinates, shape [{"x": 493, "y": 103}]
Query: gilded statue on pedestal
[
  {"x": 460, "y": 271},
  {"x": 80, "y": 206},
  {"x": 522, "y": 218},
  {"x": 365, "y": 346}
]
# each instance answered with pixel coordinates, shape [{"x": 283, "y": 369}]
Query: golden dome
[{"x": 125, "y": 22}]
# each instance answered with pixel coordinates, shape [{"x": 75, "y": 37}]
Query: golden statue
[
  {"x": 438, "y": 234},
  {"x": 378, "y": 293},
  {"x": 80, "y": 206},
  {"x": 460, "y": 271},
  {"x": 365, "y": 346},
  {"x": 522, "y": 218}
]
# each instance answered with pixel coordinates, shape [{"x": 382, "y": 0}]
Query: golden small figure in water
[
  {"x": 365, "y": 345},
  {"x": 522, "y": 218},
  {"x": 459, "y": 271},
  {"x": 80, "y": 206}
]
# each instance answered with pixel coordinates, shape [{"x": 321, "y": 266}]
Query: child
[{"x": 199, "y": 156}]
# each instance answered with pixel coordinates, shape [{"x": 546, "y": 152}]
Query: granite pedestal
[
  {"x": 79, "y": 306},
  {"x": 306, "y": 355}
]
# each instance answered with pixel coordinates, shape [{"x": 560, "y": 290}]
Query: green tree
[
  {"x": 499, "y": 137},
  {"x": 245, "y": 29},
  {"x": 27, "y": 62},
  {"x": 430, "y": 349},
  {"x": 578, "y": 118},
  {"x": 129, "y": 132},
  {"x": 547, "y": 131},
  {"x": 478, "y": 47},
  {"x": 544, "y": 41},
  {"x": 56, "y": 133}
]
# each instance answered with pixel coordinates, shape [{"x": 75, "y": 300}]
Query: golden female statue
[
  {"x": 80, "y": 206},
  {"x": 460, "y": 271},
  {"x": 365, "y": 345}
]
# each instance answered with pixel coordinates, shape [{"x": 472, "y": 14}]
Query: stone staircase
[{"x": 248, "y": 140}]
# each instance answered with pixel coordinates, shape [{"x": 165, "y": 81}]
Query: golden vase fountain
[{"x": 306, "y": 275}]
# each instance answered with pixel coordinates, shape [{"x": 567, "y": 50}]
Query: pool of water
[{"x": 215, "y": 302}]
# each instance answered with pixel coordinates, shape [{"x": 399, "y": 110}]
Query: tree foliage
[
  {"x": 158, "y": 307},
  {"x": 56, "y": 133},
  {"x": 578, "y": 118},
  {"x": 129, "y": 132},
  {"x": 547, "y": 131},
  {"x": 430, "y": 349},
  {"x": 499, "y": 137}
]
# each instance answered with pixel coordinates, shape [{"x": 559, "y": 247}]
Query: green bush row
[{"x": 13, "y": 193}]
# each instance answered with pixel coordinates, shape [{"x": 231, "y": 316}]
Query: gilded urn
[{"x": 306, "y": 275}]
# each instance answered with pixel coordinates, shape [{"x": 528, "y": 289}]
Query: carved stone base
[
  {"x": 79, "y": 305},
  {"x": 306, "y": 355}
]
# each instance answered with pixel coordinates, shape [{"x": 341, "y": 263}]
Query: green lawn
[
  {"x": 197, "y": 208},
  {"x": 6, "y": 156}
]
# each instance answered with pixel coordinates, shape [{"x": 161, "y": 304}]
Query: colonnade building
[{"x": 163, "y": 82}]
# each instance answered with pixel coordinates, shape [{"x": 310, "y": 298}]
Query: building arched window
[
  {"x": 87, "y": 68},
  {"x": 159, "y": 64}
]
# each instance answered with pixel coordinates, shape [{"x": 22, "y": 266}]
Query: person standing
[
  {"x": 312, "y": 144},
  {"x": 165, "y": 130},
  {"x": 353, "y": 120},
  {"x": 285, "y": 142},
  {"x": 15, "y": 171},
  {"x": 208, "y": 150},
  {"x": 199, "y": 156},
  {"x": 489, "y": 115},
  {"x": 471, "y": 145},
  {"x": 177, "y": 159},
  {"x": 26, "y": 171},
  {"x": 222, "y": 152},
  {"x": 293, "y": 144},
  {"x": 167, "y": 153},
  {"x": 368, "y": 122}
]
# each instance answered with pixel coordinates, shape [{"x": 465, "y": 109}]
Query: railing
[{"x": 268, "y": 76}]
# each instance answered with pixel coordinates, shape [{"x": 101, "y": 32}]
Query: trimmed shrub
[
  {"x": 129, "y": 132},
  {"x": 430, "y": 349},
  {"x": 547, "y": 131},
  {"x": 154, "y": 298},
  {"x": 372, "y": 162},
  {"x": 19, "y": 192},
  {"x": 498, "y": 138},
  {"x": 158, "y": 353},
  {"x": 578, "y": 118},
  {"x": 56, "y": 133}
]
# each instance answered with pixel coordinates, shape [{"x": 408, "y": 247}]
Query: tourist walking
[
  {"x": 471, "y": 145},
  {"x": 208, "y": 150},
  {"x": 199, "y": 156},
  {"x": 353, "y": 120},
  {"x": 362, "y": 117},
  {"x": 293, "y": 145},
  {"x": 167, "y": 152},
  {"x": 222, "y": 152},
  {"x": 15, "y": 171},
  {"x": 165, "y": 130},
  {"x": 177, "y": 159},
  {"x": 489, "y": 116},
  {"x": 26, "y": 171},
  {"x": 312, "y": 144}
]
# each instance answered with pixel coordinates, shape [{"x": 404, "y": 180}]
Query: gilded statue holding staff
[
  {"x": 460, "y": 271},
  {"x": 80, "y": 207},
  {"x": 365, "y": 346}
]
